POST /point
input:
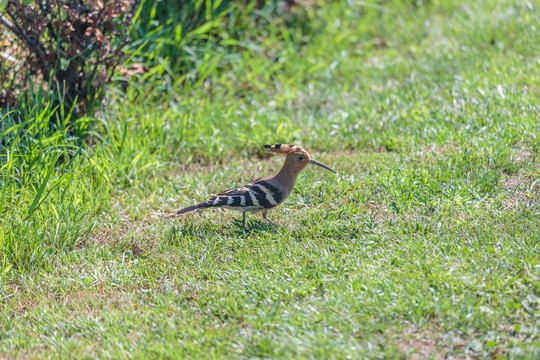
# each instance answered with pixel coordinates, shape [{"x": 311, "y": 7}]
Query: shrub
[{"x": 68, "y": 47}]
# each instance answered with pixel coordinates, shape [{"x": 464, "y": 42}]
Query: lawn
[{"x": 426, "y": 244}]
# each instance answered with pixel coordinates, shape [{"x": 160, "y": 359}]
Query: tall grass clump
[{"x": 42, "y": 194}]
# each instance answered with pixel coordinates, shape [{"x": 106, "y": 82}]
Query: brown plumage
[{"x": 265, "y": 193}]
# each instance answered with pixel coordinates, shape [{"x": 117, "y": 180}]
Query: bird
[{"x": 265, "y": 193}]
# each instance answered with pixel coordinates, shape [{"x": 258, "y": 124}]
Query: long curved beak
[{"x": 322, "y": 165}]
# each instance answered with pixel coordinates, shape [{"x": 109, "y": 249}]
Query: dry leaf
[
  {"x": 133, "y": 69},
  {"x": 99, "y": 36}
]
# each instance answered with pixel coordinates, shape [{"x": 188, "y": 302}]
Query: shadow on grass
[
  {"x": 232, "y": 229},
  {"x": 252, "y": 227}
]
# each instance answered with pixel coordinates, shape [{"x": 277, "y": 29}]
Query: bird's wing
[
  {"x": 259, "y": 194},
  {"x": 269, "y": 194},
  {"x": 238, "y": 197},
  {"x": 239, "y": 191}
]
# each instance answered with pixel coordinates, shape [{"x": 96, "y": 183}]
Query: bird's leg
[
  {"x": 267, "y": 219},
  {"x": 243, "y": 221}
]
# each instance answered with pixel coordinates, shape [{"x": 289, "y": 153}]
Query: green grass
[{"x": 425, "y": 244}]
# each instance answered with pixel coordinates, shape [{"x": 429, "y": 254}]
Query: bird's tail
[
  {"x": 199, "y": 206},
  {"x": 188, "y": 209}
]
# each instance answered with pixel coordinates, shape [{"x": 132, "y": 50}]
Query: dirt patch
[
  {"x": 92, "y": 302},
  {"x": 521, "y": 191},
  {"x": 522, "y": 154},
  {"x": 420, "y": 344},
  {"x": 123, "y": 228}
]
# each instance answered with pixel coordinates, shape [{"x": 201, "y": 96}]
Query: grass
[{"x": 424, "y": 245}]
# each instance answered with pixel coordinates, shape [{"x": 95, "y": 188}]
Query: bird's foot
[{"x": 241, "y": 223}]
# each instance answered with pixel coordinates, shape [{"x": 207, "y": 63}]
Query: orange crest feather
[{"x": 286, "y": 149}]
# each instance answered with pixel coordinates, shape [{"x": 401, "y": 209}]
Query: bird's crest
[{"x": 286, "y": 149}]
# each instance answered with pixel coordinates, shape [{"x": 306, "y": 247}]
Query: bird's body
[
  {"x": 266, "y": 193},
  {"x": 256, "y": 196}
]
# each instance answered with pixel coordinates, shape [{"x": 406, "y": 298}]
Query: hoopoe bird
[{"x": 266, "y": 193}]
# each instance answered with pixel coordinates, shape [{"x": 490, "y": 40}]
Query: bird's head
[{"x": 296, "y": 156}]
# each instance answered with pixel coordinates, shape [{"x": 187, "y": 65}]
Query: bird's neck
[{"x": 286, "y": 177}]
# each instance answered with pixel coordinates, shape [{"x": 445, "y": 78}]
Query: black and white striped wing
[
  {"x": 265, "y": 194},
  {"x": 258, "y": 195},
  {"x": 233, "y": 198},
  {"x": 255, "y": 196}
]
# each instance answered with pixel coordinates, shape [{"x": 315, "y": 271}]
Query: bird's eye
[{"x": 300, "y": 158}]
